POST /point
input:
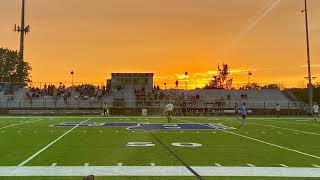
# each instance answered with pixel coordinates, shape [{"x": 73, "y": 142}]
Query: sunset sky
[{"x": 168, "y": 37}]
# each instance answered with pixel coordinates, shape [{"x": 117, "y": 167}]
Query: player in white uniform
[
  {"x": 278, "y": 110},
  {"x": 168, "y": 109},
  {"x": 315, "y": 111}
]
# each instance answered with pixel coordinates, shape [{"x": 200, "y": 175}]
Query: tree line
[
  {"x": 13, "y": 69},
  {"x": 222, "y": 80}
]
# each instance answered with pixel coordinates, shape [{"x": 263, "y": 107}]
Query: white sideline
[
  {"x": 306, "y": 132},
  {"x": 157, "y": 171},
  {"x": 274, "y": 145},
  {"x": 281, "y": 147},
  {"x": 20, "y": 124},
  {"x": 295, "y": 123},
  {"x": 50, "y": 144}
]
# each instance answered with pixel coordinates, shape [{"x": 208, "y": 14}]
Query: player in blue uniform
[{"x": 244, "y": 112}]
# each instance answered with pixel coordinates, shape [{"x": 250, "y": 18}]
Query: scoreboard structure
[{"x": 132, "y": 81}]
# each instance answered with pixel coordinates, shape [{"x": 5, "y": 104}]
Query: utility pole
[
  {"x": 310, "y": 86},
  {"x": 185, "y": 80},
  {"x": 72, "y": 73},
  {"x": 22, "y": 30}
]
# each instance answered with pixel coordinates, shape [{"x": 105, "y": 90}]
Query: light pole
[
  {"x": 185, "y": 79},
  {"x": 22, "y": 29},
  {"x": 310, "y": 87},
  {"x": 165, "y": 86},
  {"x": 72, "y": 73},
  {"x": 249, "y": 74}
]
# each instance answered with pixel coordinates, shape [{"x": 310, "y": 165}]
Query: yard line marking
[
  {"x": 20, "y": 124},
  {"x": 219, "y": 165},
  {"x": 50, "y": 144},
  {"x": 186, "y": 166},
  {"x": 283, "y": 165},
  {"x": 119, "y": 164},
  {"x": 306, "y": 132},
  {"x": 54, "y": 164},
  {"x": 251, "y": 165},
  {"x": 274, "y": 145},
  {"x": 153, "y": 164},
  {"x": 278, "y": 146},
  {"x": 158, "y": 171},
  {"x": 86, "y": 164},
  {"x": 314, "y": 165}
]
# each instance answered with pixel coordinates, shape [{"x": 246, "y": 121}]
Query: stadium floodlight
[
  {"x": 249, "y": 74},
  {"x": 72, "y": 73},
  {"x": 310, "y": 86},
  {"x": 22, "y": 30},
  {"x": 185, "y": 79}
]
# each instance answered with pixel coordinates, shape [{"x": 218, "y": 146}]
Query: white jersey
[
  {"x": 316, "y": 109},
  {"x": 168, "y": 107}
]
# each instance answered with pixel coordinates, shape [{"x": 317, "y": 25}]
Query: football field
[{"x": 65, "y": 148}]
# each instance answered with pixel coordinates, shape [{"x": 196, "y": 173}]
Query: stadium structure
[
  {"x": 129, "y": 93},
  {"x": 52, "y": 131}
]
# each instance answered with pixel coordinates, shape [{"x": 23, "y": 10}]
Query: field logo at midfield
[{"x": 148, "y": 126}]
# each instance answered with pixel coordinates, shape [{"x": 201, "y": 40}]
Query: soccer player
[
  {"x": 105, "y": 109},
  {"x": 244, "y": 112},
  {"x": 168, "y": 109},
  {"x": 278, "y": 110},
  {"x": 316, "y": 111}
]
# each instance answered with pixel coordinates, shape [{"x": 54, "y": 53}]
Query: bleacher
[{"x": 192, "y": 99}]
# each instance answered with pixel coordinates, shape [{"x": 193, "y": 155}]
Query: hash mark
[
  {"x": 314, "y": 165},
  {"x": 54, "y": 164},
  {"x": 283, "y": 165}
]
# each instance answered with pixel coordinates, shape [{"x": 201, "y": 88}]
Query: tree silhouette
[
  {"x": 271, "y": 86},
  {"x": 13, "y": 69},
  {"x": 253, "y": 86},
  {"x": 221, "y": 80}
]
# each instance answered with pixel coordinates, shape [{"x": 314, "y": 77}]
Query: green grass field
[{"x": 264, "y": 142}]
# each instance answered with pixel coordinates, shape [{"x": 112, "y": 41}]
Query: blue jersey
[{"x": 244, "y": 110}]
